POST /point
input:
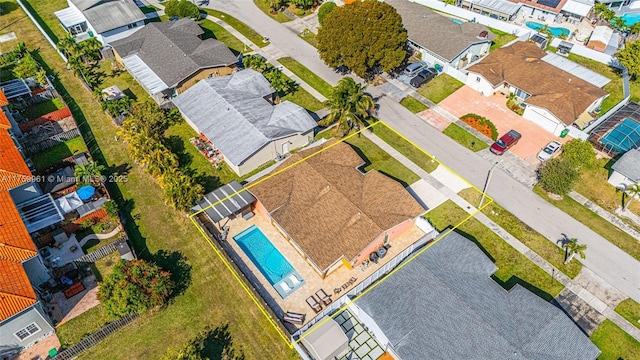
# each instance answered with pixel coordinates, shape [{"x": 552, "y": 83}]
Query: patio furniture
[
  {"x": 314, "y": 304},
  {"x": 74, "y": 289},
  {"x": 284, "y": 287},
  {"x": 294, "y": 318},
  {"x": 323, "y": 296},
  {"x": 294, "y": 280}
]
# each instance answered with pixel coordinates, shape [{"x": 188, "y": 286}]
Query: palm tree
[
  {"x": 350, "y": 107},
  {"x": 631, "y": 191},
  {"x": 572, "y": 248},
  {"x": 68, "y": 46},
  {"x": 87, "y": 173}
]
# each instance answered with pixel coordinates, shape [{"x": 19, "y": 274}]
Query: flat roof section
[
  {"x": 576, "y": 70},
  {"x": 230, "y": 206}
]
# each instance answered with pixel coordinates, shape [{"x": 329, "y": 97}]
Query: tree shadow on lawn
[
  {"x": 180, "y": 269},
  {"x": 218, "y": 344},
  {"x": 41, "y": 22}
]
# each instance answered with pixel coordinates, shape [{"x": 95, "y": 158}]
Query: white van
[{"x": 412, "y": 69}]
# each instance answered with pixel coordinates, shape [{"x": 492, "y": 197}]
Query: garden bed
[{"x": 482, "y": 124}]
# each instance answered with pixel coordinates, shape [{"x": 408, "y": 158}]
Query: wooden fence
[{"x": 52, "y": 141}]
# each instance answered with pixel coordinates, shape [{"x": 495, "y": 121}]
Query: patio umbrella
[{"x": 86, "y": 192}]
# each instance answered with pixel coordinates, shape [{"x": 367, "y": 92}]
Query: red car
[{"x": 505, "y": 142}]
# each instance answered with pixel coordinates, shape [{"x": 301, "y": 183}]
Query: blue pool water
[
  {"x": 630, "y": 19},
  {"x": 264, "y": 255},
  {"x": 457, "y": 21},
  {"x": 555, "y": 31},
  {"x": 623, "y": 137}
]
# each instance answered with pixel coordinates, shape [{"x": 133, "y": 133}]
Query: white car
[{"x": 548, "y": 151}]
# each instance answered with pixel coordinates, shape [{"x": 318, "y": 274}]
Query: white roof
[
  {"x": 70, "y": 16},
  {"x": 326, "y": 340},
  {"x": 601, "y": 34},
  {"x": 144, "y": 74},
  {"x": 578, "y": 7},
  {"x": 502, "y": 6},
  {"x": 69, "y": 202},
  {"x": 576, "y": 70}
]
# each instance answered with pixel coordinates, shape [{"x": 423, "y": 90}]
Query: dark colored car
[
  {"x": 423, "y": 77},
  {"x": 505, "y": 142}
]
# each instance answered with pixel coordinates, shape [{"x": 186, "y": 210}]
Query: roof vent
[
  {"x": 569, "y": 80},
  {"x": 359, "y": 213},
  {"x": 328, "y": 187}
]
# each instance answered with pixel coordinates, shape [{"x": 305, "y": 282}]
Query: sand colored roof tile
[
  {"x": 13, "y": 233},
  {"x": 16, "y": 293},
  {"x": 3, "y": 99},
  {"x": 329, "y": 208},
  {"x": 520, "y": 65},
  {"x": 13, "y": 169}
]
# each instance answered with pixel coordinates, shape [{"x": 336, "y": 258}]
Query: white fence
[
  {"x": 589, "y": 53},
  {"x": 606, "y": 115}
]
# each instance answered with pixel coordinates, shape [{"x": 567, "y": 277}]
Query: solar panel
[{"x": 549, "y": 3}]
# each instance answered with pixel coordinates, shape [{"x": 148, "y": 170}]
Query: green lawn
[
  {"x": 215, "y": 31},
  {"x": 122, "y": 79},
  {"x": 621, "y": 239},
  {"x": 378, "y": 159},
  {"x": 307, "y": 76},
  {"x": 439, "y": 88},
  {"x": 42, "y": 108},
  {"x": 310, "y": 38},
  {"x": 54, "y": 155},
  {"x": 464, "y": 138},
  {"x": 502, "y": 38},
  {"x": 240, "y": 27},
  {"x": 44, "y": 15},
  {"x": 411, "y": 151},
  {"x": 304, "y": 99},
  {"x": 513, "y": 267},
  {"x": 104, "y": 267},
  {"x": 528, "y": 236},
  {"x": 630, "y": 310},
  {"x": 75, "y": 329},
  {"x": 157, "y": 233},
  {"x": 413, "y": 104},
  {"x": 614, "y": 343},
  {"x": 265, "y": 6}
]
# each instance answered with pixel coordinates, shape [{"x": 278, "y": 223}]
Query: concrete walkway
[
  {"x": 605, "y": 308},
  {"x": 89, "y": 237},
  {"x": 614, "y": 220}
]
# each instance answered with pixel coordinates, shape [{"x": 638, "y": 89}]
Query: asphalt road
[{"x": 605, "y": 259}]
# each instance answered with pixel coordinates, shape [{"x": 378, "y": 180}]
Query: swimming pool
[
  {"x": 623, "y": 137},
  {"x": 555, "y": 31},
  {"x": 263, "y": 254},
  {"x": 457, "y": 21},
  {"x": 630, "y": 19}
]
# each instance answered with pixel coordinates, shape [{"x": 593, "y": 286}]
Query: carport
[{"x": 229, "y": 200}]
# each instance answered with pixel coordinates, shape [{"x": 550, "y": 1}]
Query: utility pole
[{"x": 486, "y": 184}]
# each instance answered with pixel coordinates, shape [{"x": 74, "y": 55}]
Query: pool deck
[{"x": 295, "y": 301}]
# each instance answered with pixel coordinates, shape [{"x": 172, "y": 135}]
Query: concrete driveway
[{"x": 466, "y": 100}]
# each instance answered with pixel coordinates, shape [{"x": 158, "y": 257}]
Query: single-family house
[
  {"x": 439, "y": 39},
  {"x": 604, "y": 39},
  {"x": 238, "y": 114},
  {"x": 626, "y": 171},
  {"x": 167, "y": 58},
  {"x": 106, "y": 20},
  {"x": 498, "y": 9},
  {"x": 443, "y": 304},
  {"x": 330, "y": 211},
  {"x": 552, "y": 98}
]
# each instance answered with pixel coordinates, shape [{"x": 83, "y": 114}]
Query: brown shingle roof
[
  {"x": 329, "y": 208},
  {"x": 13, "y": 169},
  {"x": 558, "y": 91}
]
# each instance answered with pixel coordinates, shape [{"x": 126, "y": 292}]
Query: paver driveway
[{"x": 466, "y": 100}]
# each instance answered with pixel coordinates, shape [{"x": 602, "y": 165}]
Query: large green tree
[
  {"x": 362, "y": 36},
  {"x": 580, "y": 152},
  {"x": 134, "y": 287},
  {"x": 558, "y": 175},
  {"x": 629, "y": 57},
  {"x": 181, "y": 8},
  {"x": 350, "y": 107}
]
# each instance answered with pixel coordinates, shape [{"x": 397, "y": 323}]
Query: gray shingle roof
[
  {"x": 105, "y": 15},
  {"x": 173, "y": 50},
  {"x": 231, "y": 112},
  {"x": 435, "y": 32},
  {"x": 629, "y": 165},
  {"x": 444, "y": 305}
]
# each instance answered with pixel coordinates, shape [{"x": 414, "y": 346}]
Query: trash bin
[{"x": 564, "y": 133}]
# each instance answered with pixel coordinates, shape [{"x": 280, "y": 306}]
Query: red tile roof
[
  {"x": 3, "y": 99},
  {"x": 4, "y": 120},
  {"x": 13, "y": 169},
  {"x": 13, "y": 233},
  {"x": 50, "y": 117},
  {"x": 16, "y": 293}
]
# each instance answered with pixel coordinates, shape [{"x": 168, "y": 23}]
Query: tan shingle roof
[
  {"x": 558, "y": 91},
  {"x": 329, "y": 208}
]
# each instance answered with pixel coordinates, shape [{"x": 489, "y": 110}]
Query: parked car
[
  {"x": 505, "y": 142},
  {"x": 412, "y": 69},
  {"x": 548, "y": 151},
  {"x": 423, "y": 77}
]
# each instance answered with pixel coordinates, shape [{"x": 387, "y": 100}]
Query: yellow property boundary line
[{"x": 286, "y": 337}]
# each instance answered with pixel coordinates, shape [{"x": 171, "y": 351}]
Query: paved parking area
[{"x": 466, "y": 100}]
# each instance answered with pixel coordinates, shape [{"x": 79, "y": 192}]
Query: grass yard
[
  {"x": 304, "y": 99},
  {"x": 265, "y": 6},
  {"x": 215, "y": 31},
  {"x": 590, "y": 219},
  {"x": 42, "y": 108},
  {"x": 77, "y": 328},
  {"x": 412, "y": 104},
  {"x": 241, "y": 27},
  {"x": 513, "y": 267},
  {"x": 54, "y": 155},
  {"x": 502, "y": 38},
  {"x": 299, "y": 12},
  {"x": 630, "y": 310},
  {"x": 440, "y": 88},
  {"x": 307, "y": 76},
  {"x": 310, "y": 38},
  {"x": 378, "y": 159},
  {"x": 122, "y": 79},
  {"x": 412, "y": 152},
  {"x": 157, "y": 233},
  {"x": 528, "y": 236},
  {"x": 44, "y": 15},
  {"x": 104, "y": 267},
  {"x": 614, "y": 343},
  {"x": 464, "y": 138}
]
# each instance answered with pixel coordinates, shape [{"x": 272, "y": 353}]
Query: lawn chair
[
  {"x": 315, "y": 305},
  {"x": 294, "y": 280},
  {"x": 294, "y": 318},
  {"x": 326, "y": 299}
]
